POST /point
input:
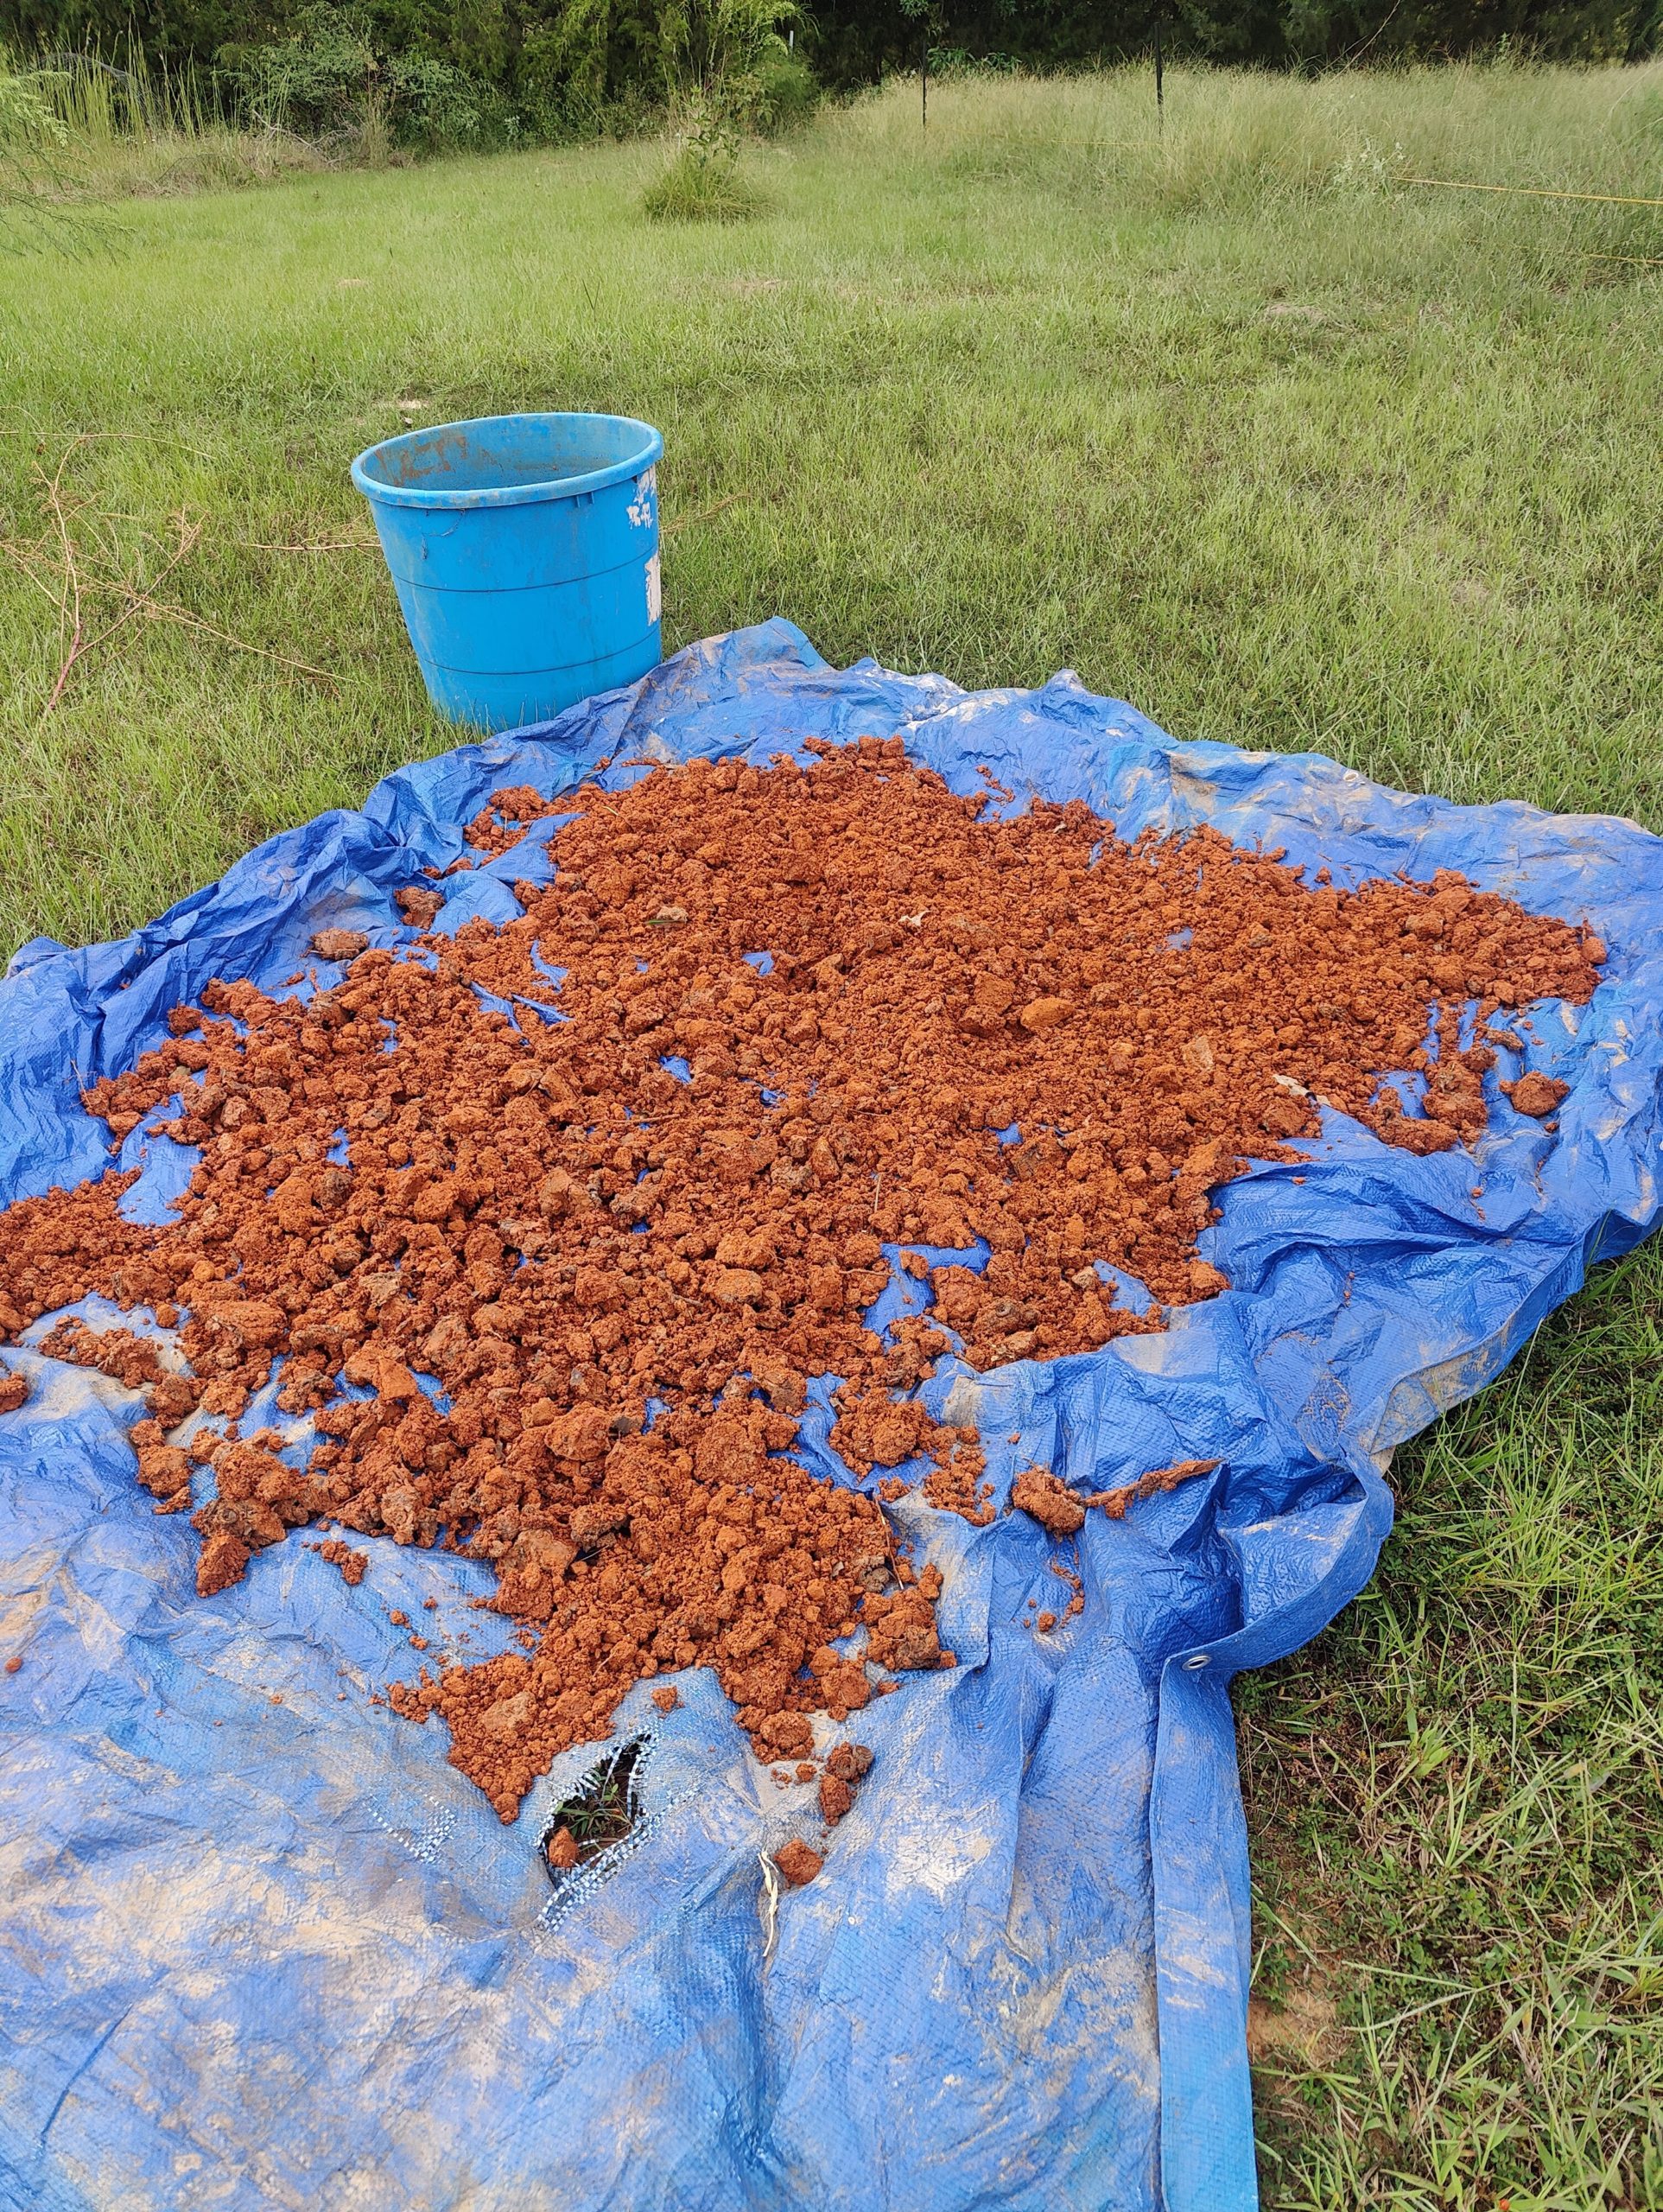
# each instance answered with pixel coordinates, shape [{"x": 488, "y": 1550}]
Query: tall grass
[
  {"x": 1232, "y": 141},
  {"x": 133, "y": 129},
  {"x": 702, "y": 181}
]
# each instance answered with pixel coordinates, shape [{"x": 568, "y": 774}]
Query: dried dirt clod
[
  {"x": 223, "y": 1558},
  {"x": 849, "y": 1762},
  {"x": 352, "y": 1564},
  {"x": 418, "y": 905},
  {"x": 14, "y": 1393},
  {"x": 789, "y": 1735},
  {"x": 1045, "y": 1014},
  {"x": 1536, "y": 1094},
  {"x": 339, "y": 944},
  {"x": 14, "y": 1665},
  {"x": 560, "y": 1850},
  {"x": 501, "y": 824},
  {"x": 835, "y": 1799},
  {"x": 667, "y": 1698},
  {"x": 1153, "y": 1485},
  {"x": 1048, "y": 1500},
  {"x": 916, "y": 1649},
  {"x": 798, "y": 1863}
]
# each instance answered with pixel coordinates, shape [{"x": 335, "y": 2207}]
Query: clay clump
[
  {"x": 798, "y": 1863},
  {"x": 846, "y": 1767},
  {"x": 339, "y": 944},
  {"x": 1049, "y": 1501},
  {"x": 1536, "y": 1094}
]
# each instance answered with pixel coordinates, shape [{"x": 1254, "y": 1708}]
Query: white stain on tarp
[{"x": 939, "y": 1859}]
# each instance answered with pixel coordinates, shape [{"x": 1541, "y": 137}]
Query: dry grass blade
[
  {"x": 69, "y": 605},
  {"x": 26, "y": 568},
  {"x": 305, "y": 545},
  {"x": 137, "y": 603},
  {"x": 704, "y": 514},
  {"x": 162, "y": 610},
  {"x": 1535, "y": 192},
  {"x": 81, "y": 581}
]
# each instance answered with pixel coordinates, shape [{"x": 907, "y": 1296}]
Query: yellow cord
[{"x": 1533, "y": 192}]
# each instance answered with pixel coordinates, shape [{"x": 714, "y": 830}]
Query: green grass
[
  {"x": 1453, "y": 1797},
  {"x": 1247, "y": 429},
  {"x": 701, "y": 183}
]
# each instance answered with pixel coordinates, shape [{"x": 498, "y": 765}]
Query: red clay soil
[
  {"x": 798, "y": 1863},
  {"x": 352, "y": 1565},
  {"x": 546, "y": 1223}
]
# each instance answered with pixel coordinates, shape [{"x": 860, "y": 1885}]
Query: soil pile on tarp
[{"x": 550, "y": 1225}]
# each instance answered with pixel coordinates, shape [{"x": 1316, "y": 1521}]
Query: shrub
[
  {"x": 787, "y": 94},
  {"x": 28, "y": 123},
  {"x": 702, "y": 182},
  {"x": 331, "y": 80}
]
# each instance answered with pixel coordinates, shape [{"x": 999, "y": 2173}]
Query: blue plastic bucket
[{"x": 524, "y": 550}]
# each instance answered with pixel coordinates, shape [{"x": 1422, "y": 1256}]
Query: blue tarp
[{"x": 264, "y": 1954}]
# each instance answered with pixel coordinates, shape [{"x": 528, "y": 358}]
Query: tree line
[{"x": 485, "y": 69}]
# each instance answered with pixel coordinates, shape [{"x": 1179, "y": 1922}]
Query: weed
[
  {"x": 600, "y": 1813},
  {"x": 702, "y": 182}
]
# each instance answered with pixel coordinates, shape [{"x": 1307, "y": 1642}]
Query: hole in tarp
[{"x": 599, "y": 1813}]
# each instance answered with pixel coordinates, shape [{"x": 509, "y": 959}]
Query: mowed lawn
[{"x": 1246, "y": 428}]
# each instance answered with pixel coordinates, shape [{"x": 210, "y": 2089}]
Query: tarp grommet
[{"x": 1195, "y": 1661}]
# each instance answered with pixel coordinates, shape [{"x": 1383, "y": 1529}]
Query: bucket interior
[{"x": 506, "y": 452}]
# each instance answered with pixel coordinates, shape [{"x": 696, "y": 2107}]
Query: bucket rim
[{"x": 650, "y": 451}]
